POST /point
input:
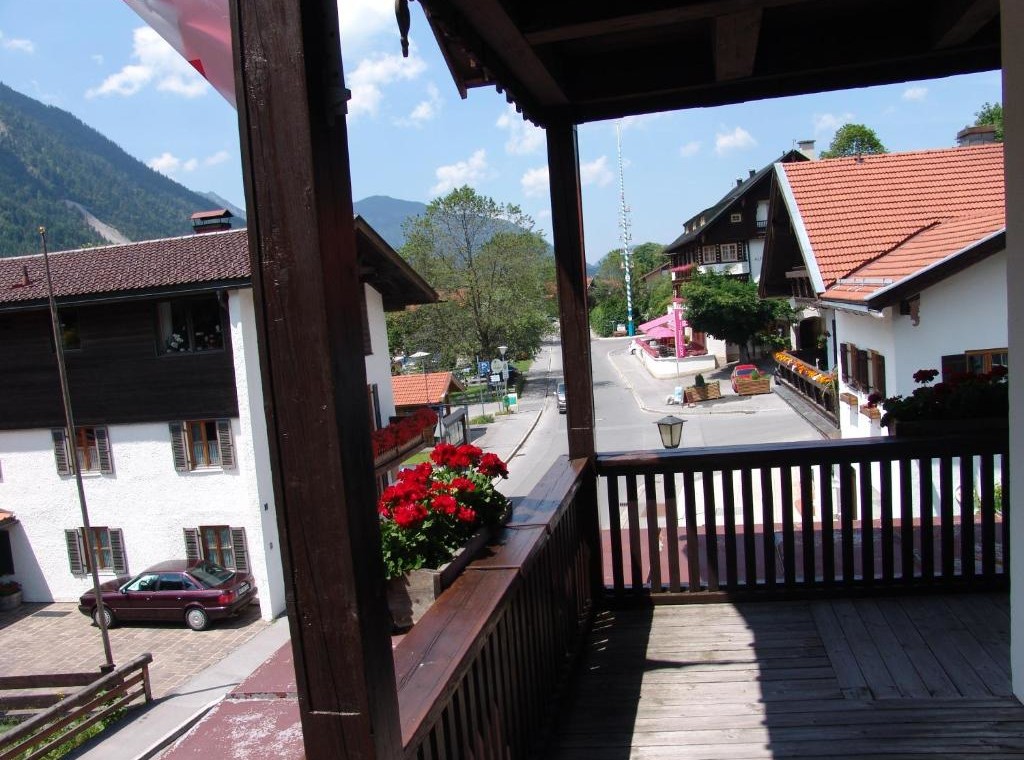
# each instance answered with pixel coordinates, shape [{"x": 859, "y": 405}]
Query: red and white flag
[{"x": 200, "y": 30}]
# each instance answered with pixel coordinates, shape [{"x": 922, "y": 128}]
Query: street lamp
[
  {"x": 504, "y": 369},
  {"x": 671, "y": 430}
]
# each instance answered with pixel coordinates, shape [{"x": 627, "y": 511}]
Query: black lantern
[{"x": 671, "y": 430}]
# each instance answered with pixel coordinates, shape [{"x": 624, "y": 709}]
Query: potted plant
[
  {"x": 433, "y": 521},
  {"x": 754, "y": 383},
  {"x": 701, "y": 390},
  {"x": 10, "y": 595},
  {"x": 968, "y": 401}
]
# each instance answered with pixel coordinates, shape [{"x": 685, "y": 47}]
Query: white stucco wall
[
  {"x": 755, "y": 249},
  {"x": 1012, "y": 24},
  {"x": 378, "y": 364},
  {"x": 254, "y": 438},
  {"x": 145, "y": 497},
  {"x": 962, "y": 313}
]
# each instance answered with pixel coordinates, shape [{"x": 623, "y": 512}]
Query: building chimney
[
  {"x": 752, "y": 172},
  {"x": 979, "y": 135},
  {"x": 25, "y": 281},
  {"x": 739, "y": 181},
  {"x": 807, "y": 148},
  {"x": 211, "y": 221}
]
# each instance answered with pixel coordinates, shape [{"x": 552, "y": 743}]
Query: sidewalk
[{"x": 245, "y": 705}]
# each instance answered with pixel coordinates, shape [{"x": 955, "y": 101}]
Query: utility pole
[
  {"x": 70, "y": 438},
  {"x": 625, "y": 231}
]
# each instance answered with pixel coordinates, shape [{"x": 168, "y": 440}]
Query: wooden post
[
  {"x": 307, "y": 293},
  {"x": 571, "y": 263}
]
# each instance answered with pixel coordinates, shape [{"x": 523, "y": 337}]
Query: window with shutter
[
  {"x": 844, "y": 361},
  {"x": 878, "y": 373},
  {"x": 105, "y": 461},
  {"x": 119, "y": 562},
  {"x": 60, "y": 451},
  {"x": 241, "y": 550},
  {"x": 76, "y": 552},
  {"x": 179, "y": 446},
  {"x": 861, "y": 369},
  {"x": 193, "y": 547},
  {"x": 226, "y": 443}
]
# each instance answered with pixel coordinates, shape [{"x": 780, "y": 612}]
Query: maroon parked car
[{"x": 174, "y": 590}]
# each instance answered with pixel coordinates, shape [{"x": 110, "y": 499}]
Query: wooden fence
[
  {"x": 65, "y": 717},
  {"x": 480, "y": 673},
  {"x": 785, "y": 519}
]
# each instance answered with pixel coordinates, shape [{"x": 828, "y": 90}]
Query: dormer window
[{"x": 737, "y": 217}]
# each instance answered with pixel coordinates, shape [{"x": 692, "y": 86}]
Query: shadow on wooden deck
[{"x": 877, "y": 678}]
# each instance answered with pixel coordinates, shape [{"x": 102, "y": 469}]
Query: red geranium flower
[
  {"x": 492, "y": 466},
  {"x": 409, "y": 515},
  {"x": 445, "y": 504},
  {"x": 466, "y": 515}
]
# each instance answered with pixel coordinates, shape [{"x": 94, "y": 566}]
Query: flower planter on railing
[{"x": 390, "y": 443}]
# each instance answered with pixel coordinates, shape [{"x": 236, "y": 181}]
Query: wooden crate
[
  {"x": 746, "y": 386},
  {"x": 695, "y": 393}
]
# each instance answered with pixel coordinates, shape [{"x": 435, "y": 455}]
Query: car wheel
[
  {"x": 197, "y": 619},
  {"x": 108, "y": 617}
]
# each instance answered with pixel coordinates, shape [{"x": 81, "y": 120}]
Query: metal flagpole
[{"x": 69, "y": 432}]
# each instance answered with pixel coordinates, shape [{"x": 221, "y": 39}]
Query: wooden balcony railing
[
  {"x": 480, "y": 673},
  {"x": 782, "y": 519}
]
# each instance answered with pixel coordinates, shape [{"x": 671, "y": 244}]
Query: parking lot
[{"x": 57, "y": 638}]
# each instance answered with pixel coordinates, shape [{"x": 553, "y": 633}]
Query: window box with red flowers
[
  {"x": 392, "y": 442},
  {"x": 964, "y": 403},
  {"x": 433, "y": 522}
]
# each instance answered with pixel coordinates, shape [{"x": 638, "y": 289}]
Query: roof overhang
[
  {"x": 799, "y": 228},
  {"x": 388, "y": 273},
  {"x": 581, "y": 62}
]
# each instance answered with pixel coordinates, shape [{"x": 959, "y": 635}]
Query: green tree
[
  {"x": 608, "y": 295},
  {"x": 491, "y": 270},
  {"x": 991, "y": 113},
  {"x": 730, "y": 309},
  {"x": 854, "y": 140}
]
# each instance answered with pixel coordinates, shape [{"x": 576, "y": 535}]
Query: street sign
[
  {"x": 485, "y": 368},
  {"x": 497, "y": 366}
]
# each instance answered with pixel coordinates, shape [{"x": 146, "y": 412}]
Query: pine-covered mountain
[{"x": 57, "y": 172}]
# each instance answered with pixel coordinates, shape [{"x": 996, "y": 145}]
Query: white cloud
[
  {"x": 829, "y": 122},
  {"x": 467, "y": 172},
  {"x": 738, "y": 139},
  {"x": 165, "y": 163},
  {"x": 169, "y": 164},
  {"x": 425, "y": 110},
  {"x": 17, "y": 45},
  {"x": 691, "y": 148},
  {"x": 596, "y": 172},
  {"x": 361, "y": 19},
  {"x": 535, "y": 181},
  {"x": 523, "y": 137},
  {"x": 157, "y": 63},
  {"x": 376, "y": 72},
  {"x": 915, "y": 93},
  {"x": 217, "y": 158}
]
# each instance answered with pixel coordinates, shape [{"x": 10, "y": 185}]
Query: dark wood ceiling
[{"x": 567, "y": 60}]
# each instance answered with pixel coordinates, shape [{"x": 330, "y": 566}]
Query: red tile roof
[
  {"x": 152, "y": 264},
  {"x": 409, "y": 389},
  {"x": 886, "y": 217}
]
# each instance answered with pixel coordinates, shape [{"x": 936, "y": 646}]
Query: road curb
[{"x": 177, "y": 732}]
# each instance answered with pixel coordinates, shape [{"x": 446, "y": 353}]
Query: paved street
[{"x": 57, "y": 638}]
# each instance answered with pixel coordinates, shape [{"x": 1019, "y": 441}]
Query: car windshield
[
  {"x": 210, "y": 574},
  {"x": 561, "y": 389}
]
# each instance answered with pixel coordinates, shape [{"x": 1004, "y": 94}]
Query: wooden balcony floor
[{"x": 876, "y": 677}]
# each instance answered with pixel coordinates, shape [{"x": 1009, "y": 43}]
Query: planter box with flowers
[
  {"x": 393, "y": 441},
  {"x": 752, "y": 385},
  {"x": 10, "y": 595},
  {"x": 434, "y": 520},
  {"x": 968, "y": 402},
  {"x": 702, "y": 391}
]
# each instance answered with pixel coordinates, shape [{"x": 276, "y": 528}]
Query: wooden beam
[
  {"x": 571, "y": 263},
  {"x": 736, "y": 37},
  {"x": 291, "y": 111},
  {"x": 957, "y": 23}
]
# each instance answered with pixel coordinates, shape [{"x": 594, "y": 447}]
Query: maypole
[{"x": 626, "y": 239}]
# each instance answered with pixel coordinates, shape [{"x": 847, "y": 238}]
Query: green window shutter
[
  {"x": 103, "y": 450},
  {"x": 60, "y": 451},
  {"x": 193, "y": 549},
  {"x": 76, "y": 556},
  {"x": 118, "y": 558},
  {"x": 226, "y": 444},
  {"x": 240, "y": 549},
  {"x": 179, "y": 446}
]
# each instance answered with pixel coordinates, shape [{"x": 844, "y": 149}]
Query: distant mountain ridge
[
  {"x": 57, "y": 172},
  {"x": 388, "y": 215}
]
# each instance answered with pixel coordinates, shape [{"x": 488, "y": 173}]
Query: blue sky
[{"x": 412, "y": 137}]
